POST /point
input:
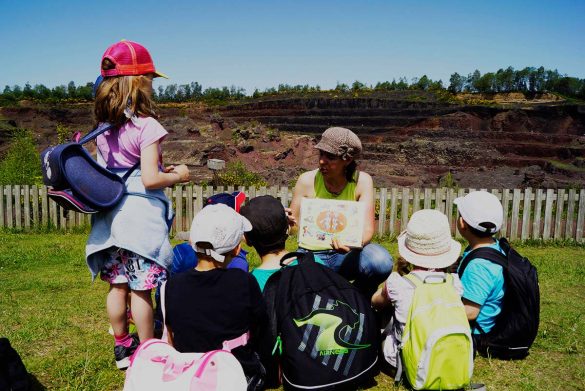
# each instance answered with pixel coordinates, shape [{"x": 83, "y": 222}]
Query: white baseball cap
[
  {"x": 427, "y": 240},
  {"x": 220, "y": 226},
  {"x": 480, "y": 207}
]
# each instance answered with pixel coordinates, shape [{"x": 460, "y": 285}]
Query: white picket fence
[{"x": 543, "y": 214}]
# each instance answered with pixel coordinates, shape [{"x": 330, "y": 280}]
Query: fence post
[
  {"x": 2, "y": 223},
  {"x": 515, "y": 213},
  {"x": 178, "y": 208},
  {"x": 35, "y": 206},
  {"x": 382, "y": 211},
  {"x": 53, "y": 213},
  {"x": 439, "y": 197},
  {"x": 9, "y": 214},
  {"x": 17, "y": 207},
  {"x": 427, "y": 200},
  {"x": 27, "y": 207},
  {"x": 505, "y": 204},
  {"x": 460, "y": 193},
  {"x": 570, "y": 214},
  {"x": 415, "y": 199},
  {"x": 559, "y": 214},
  {"x": 526, "y": 213},
  {"x": 189, "y": 204},
  {"x": 252, "y": 192},
  {"x": 198, "y": 202},
  {"x": 550, "y": 193},
  {"x": 537, "y": 214},
  {"x": 393, "y": 207},
  {"x": 449, "y": 198},
  {"x": 284, "y": 196},
  {"x": 405, "y": 204},
  {"x": 71, "y": 217},
  {"x": 580, "y": 216}
]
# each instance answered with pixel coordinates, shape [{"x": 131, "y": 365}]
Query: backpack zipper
[{"x": 277, "y": 345}]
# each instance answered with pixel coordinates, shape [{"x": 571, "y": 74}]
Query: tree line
[{"x": 529, "y": 80}]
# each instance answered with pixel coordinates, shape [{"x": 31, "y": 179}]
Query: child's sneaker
[{"x": 123, "y": 353}]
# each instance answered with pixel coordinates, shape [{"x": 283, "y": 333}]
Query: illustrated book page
[{"x": 322, "y": 220}]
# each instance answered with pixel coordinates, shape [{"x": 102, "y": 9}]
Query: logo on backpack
[
  {"x": 331, "y": 338},
  {"x": 46, "y": 158},
  {"x": 323, "y": 327}
]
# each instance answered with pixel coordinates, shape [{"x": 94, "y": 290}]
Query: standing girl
[{"x": 129, "y": 245}]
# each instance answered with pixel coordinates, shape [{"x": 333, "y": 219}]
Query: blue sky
[{"x": 259, "y": 44}]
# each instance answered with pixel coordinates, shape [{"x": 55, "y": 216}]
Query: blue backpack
[{"x": 76, "y": 181}]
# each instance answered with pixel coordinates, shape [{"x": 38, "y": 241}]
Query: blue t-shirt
[
  {"x": 262, "y": 275},
  {"x": 483, "y": 284}
]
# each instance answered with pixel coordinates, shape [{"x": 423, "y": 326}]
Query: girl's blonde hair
[{"x": 118, "y": 93}]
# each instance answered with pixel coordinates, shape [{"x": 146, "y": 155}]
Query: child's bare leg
[
  {"x": 142, "y": 314},
  {"x": 116, "y": 307}
]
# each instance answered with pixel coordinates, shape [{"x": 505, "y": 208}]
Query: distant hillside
[{"x": 412, "y": 138}]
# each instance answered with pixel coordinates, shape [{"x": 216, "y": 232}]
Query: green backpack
[{"x": 436, "y": 347}]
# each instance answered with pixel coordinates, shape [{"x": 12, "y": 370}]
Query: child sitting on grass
[
  {"x": 210, "y": 304},
  {"x": 426, "y": 249},
  {"x": 268, "y": 235},
  {"x": 480, "y": 218}
]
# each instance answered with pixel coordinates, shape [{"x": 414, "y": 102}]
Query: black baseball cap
[{"x": 268, "y": 218}]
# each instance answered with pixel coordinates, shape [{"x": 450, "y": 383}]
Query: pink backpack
[{"x": 156, "y": 365}]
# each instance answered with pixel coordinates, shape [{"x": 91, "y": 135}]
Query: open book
[{"x": 322, "y": 220}]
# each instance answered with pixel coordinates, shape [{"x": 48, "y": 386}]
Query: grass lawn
[{"x": 55, "y": 318}]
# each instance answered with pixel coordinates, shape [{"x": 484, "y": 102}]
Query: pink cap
[{"x": 130, "y": 59}]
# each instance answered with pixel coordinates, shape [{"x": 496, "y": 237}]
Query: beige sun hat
[{"x": 427, "y": 241}]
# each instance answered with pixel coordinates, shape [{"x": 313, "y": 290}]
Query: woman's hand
[
  {"x": 340, "y": 248},
  {"x": 290, "y": 216}
]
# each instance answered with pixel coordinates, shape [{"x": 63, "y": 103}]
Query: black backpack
[
  {"x": 322, "y": 326},
  {"x": 517, "y": 325}
]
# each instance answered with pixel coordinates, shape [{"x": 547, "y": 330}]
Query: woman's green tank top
[{"x": 347, "y": 194}]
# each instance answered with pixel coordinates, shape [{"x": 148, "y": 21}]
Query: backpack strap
[
  {"x": 236, "y": 342},
  {"x": 412, "y": 280},
  {"x": 415, "y": 280},
  {"x": 130, "y": 171},
  {"x": 96, "y": 132},
  {"x": 103, "y": 127},
  {"x": 488, "y": 253},
  {"x": 300, "y": 256},
  {"x": 491, "y": 255}
]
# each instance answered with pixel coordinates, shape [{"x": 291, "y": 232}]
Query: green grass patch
[
  {"x": 55, "y": 317},
  {"x": 566, "y": 166}
]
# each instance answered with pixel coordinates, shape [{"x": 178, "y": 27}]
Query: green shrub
[
  {"x": 449, "y": 182},
  {"x": 63, "y": 134},
  {"x": 236, "y": 174},
  {"x": 21, "y": 165}
]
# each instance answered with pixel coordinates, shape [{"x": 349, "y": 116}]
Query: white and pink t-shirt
[{"x": 121, "y": 148}]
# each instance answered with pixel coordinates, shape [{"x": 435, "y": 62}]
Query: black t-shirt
[{"x": 203, "y": 309}]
